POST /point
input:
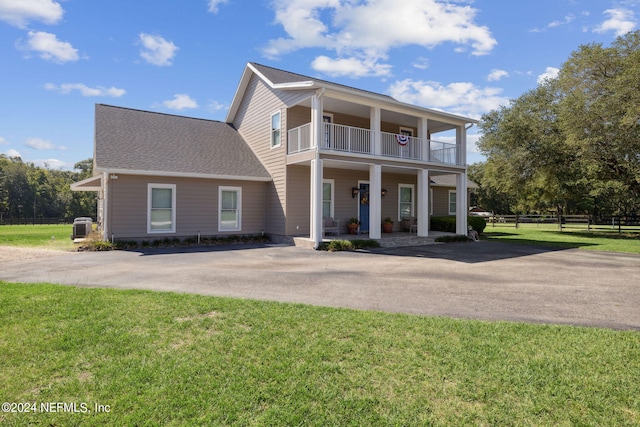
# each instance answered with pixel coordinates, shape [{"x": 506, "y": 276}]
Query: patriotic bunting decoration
[{"x": 402, "y": 139}]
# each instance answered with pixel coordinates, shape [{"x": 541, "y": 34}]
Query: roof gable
[{"x": 142, "y": 141}]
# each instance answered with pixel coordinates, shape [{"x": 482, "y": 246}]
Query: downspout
[{"x": 105, "y": 205}]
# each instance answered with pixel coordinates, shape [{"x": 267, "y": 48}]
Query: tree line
[
  {"x": 30, "y": 191},
  {"x": 572, "y": 144}
]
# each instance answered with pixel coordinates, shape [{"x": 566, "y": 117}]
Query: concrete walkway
[{"x": 486, "y": 280}]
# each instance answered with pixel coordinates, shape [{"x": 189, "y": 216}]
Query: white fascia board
[
  {"x": 95, "y": 181},
  {"x": 184, "y": 175},
  {"x": 242, "y": 87}
]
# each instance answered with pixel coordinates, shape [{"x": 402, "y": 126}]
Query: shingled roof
[
  {"x": 282, "y": 77},
  {"x": 143, "y": 141}
]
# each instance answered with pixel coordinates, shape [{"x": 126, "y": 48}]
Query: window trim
[
  {"x": 150, "y": 188},
  {"x": 333, "y": 189},
  {"x": 454, "y": 212},
  {"x": 273, "y": 130},
  {"x": 413, "y": 200},
  {"x": 406, "y": 131},
  {"x": 431, "y": 201},
  {"x": 238, "y": 190}
]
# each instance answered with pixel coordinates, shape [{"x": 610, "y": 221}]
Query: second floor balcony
[{"x": 349, "y": 139}]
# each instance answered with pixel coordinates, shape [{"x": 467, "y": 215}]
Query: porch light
[
  {"x": 354, "y": 192},
  {"x": 384, "y": 192}
]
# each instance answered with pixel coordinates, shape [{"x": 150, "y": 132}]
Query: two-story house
[{"x": 293, "y": 150}]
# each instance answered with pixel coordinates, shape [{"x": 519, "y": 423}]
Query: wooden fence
[
  {"x": 578, "y": 222},
  {"x": 36, "y": 221}
]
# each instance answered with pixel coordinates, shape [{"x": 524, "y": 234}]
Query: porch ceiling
[
  {"x": 360, "y": 110},
  {"x": 386, "y": 168}
]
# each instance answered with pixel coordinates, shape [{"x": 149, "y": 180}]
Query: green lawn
[
  {"x": 600, "y": 240},
  {"x": 43, "y": 236},
  {"x": 176, "y": 359}
]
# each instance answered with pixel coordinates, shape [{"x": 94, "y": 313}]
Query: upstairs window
[{"x": 276, "y": 124}]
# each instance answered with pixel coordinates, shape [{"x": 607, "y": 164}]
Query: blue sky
[{"x": 60, "y": 57}]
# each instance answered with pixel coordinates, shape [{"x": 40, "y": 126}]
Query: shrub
[
  {"x": 348, "y": 245},
  {"x": 448, "y": 223},
  {"x": 478, "y": 223}
]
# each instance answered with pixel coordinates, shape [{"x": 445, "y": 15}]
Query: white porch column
[
  {"x": 375, "y": 118},
  {"x": 462, "y": 210},
  {"x": 316, "y": 119},
  {"x": 423, "y": 202},
  {"x": 423, "y": 133},
  {"x": 375, "y": 201},
  {"x": 461, "y": 142},
  {"x": 316, "y": 202}
]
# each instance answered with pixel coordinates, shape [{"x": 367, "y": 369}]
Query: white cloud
[
  {"x": 421, "y": 63},
  {"x": 12, "y": 153},
  {"x": 85, "y": 90},
  {"x": 620, "y": 21},
  {"x": 215, "y": 106},
  {"x": 50, "y": 163},
  {"x": 213, "y": 5},
  {"x": 50, "y": 48},
  {"x": 459, "y": 98},
  {"x": 19, "y": 12},
  {"x": 180, "y": 102},
  {"x": 549, "y": 73},
  {"x": 42, "y": 144},
  {"x": 3, "y": 141},
  {"x": 497, "y": 74},
  {"x": 370, "y": 29},
  {"x": 156, "y": 50},
  {"x": 352, "y": 67}
]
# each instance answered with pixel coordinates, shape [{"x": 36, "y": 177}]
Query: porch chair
[
  {"x": 330, "y": 225},
  {"x": 410, "y": 224}
]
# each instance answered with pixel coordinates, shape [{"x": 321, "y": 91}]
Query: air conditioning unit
[{"x": 81, "y": 227}]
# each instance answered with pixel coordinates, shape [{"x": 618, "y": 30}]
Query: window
[
  {"x": 275, "y": 130},
  {"x": 405, "y": 201},
  {"x": 161, "y": 202},
  {"x": 452, "y": 202},
  {"x": 229, "y": 208},
  {"x": 327, "y": 198}
]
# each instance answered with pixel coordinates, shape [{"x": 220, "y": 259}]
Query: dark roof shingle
[{"x": 136, "y": 140}]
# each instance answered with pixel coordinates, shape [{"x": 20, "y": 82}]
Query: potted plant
[
  {"x": 387, "y": 225},
  {"x": 353, "y": 225}
]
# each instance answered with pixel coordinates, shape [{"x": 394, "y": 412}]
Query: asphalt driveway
[{"x": 485, "y": 280}]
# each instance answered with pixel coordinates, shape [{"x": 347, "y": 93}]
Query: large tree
[{"x": 573, "y": 143}]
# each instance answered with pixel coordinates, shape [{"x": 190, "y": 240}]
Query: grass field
[
  {"x": 42, "y": 236},
  {"x": 601, "y": 240},
  {"x": 176, "y": 359}
]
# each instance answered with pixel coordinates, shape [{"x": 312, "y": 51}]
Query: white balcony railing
[
  {"x": 359, "y": 140},
  {"x": 346, "y": 138},
  {"x": 404, "y": 147}
]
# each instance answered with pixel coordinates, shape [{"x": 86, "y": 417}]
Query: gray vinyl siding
[
  {"x": 253, "y": 121},
  {"x": 196, "y": 206}
]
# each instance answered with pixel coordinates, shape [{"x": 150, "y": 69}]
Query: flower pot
[
  {"x": 387, "y": 227},
  {"x": 353, "y": 228}
]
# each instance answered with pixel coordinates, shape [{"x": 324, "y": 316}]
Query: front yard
[{"x": 144, "y": 358}]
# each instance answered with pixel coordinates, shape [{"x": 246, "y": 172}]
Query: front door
[{"x": 364, "y": 207}]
